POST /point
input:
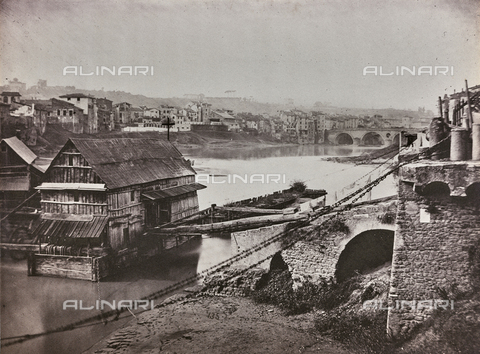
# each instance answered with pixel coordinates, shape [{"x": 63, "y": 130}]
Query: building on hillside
[
  {"x": 41, "y": 112},
  {"x": 105, "y": 114},
  {"x": 9, "y": 97},
  {"x": 67, "y": 115},
  {"x": 202, "y": 111},
  {"x": 107, "y": 192},
  {"x": 21, "y": 123},
  {"x": 223, "y": 117},
  {"x": 137, "y": 114},
  {"x": 90, "y": 110},
  {"x": 251, "y": 124},
  {"x": 152, "y": 113},
  {"x": 182, "y": 122},
  {"x": 166, "y": 112},
  {"x": 16, "y": 85},
  {"x": 122, "y": 115},
  {"x": 306, "y": 130}
]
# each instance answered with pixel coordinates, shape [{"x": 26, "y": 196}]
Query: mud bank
[{"x": 217, "y": 325}]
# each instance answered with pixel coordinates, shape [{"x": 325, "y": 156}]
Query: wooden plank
[
  {"x": 234, "y": 225},
  {"x": 250, "y": 210},
  {"x": 20, "y": 247},
  {"x": 64, "y": 266}
]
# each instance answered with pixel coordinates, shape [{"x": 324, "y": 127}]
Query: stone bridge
[
  {"x": 363, "y": 136},
  {"x": 431, "y": 236},
  {"x": 357, "y": 240}
]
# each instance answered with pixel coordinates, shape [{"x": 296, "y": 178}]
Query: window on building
[
  {"x": 64, "y": 112},
  {"x": 58, "y": 112},
  {"x": 68, "y": 99},
  {"x": 78, "y": 99},
  {"x": 132, "y": 196},
  {"x": 70, "y": 113},
  {"x": 70, "y": 160},
  {"x": 76, "y": 196}
]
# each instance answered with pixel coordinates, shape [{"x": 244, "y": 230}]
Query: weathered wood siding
[
  {"x": 64, "y": 266},
  {"x": 124, "y": 232},
  {"x": 127, "y": 213},
  {"x": 125, "y": 201},
  {"x": 184, "y": 205},
  {"x": 63, "y": 202},
  {"x": 71, "y": 167}
]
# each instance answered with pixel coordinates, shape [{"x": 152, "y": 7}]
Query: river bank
[
  {"x": 218, "y": 325},
  {"x": 375, "y": 156},
  {"x": 55, "y": 137}
]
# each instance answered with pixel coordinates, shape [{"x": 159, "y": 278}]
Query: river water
[{"x": 34, "y": 304}]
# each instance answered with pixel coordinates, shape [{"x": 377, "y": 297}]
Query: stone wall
[
  {"x": 317, "y": 257},
  {"x": 437, "y": 229},
  {"x": 244, "y": 240}
]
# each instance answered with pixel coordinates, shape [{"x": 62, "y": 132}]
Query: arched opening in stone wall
[
  {"x": 344, "y": 139},
  {"x": 372, "y": 139},
  {"x": 396, "y": 140},
  {"x": 473, "y": 195},
  {"x": 436, "y": 189},
  {"x": 365, "y": 252},
  {"x": 277, "y": 262}
]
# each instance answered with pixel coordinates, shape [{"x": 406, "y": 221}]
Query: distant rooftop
[{"x": 76, "y": 95}]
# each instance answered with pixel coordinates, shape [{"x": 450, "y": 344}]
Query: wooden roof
[
  {"x": 21, "y": 149},
  {"x": 122, "y": 162},
  {"x": 173, "y": 191},
  {"x": 72, "y": 228}
]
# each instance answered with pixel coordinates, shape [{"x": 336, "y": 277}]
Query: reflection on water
[
  {"x": 305, "y": 162},
  {"x": 274, "y": 151},
  {"x": 35, "y": 304}
]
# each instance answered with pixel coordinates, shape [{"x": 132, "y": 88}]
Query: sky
[{"x": 272, "y": 51}]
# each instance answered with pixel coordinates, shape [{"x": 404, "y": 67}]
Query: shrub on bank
[
  {"x": 326, "y": 295},
  {"x": 361, "y": 333}
]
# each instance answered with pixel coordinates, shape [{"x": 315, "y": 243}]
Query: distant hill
[{"x": 236, "y": 104}]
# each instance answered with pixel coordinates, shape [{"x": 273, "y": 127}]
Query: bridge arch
[
  {"x": 344, "y": 139},
  {"x": 366, "y": 251},
  {"x": 373, "y": 138},
  {"x": 396, "y": 139}
]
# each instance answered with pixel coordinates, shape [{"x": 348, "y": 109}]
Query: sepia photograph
[{"x": 240, "y": 176}]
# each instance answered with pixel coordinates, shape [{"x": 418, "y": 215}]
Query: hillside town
[{"x": 25, "y": 116}]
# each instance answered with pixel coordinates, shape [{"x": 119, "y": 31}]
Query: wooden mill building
[
  {"x": 19, "y": 202},
  {"x": 107, "y": 192}
]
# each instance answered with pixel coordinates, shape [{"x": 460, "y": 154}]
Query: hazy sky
[{"x": 271, "y": 50}]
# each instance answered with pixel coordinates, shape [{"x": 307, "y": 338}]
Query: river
[{"x": 34, "y": 304}]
